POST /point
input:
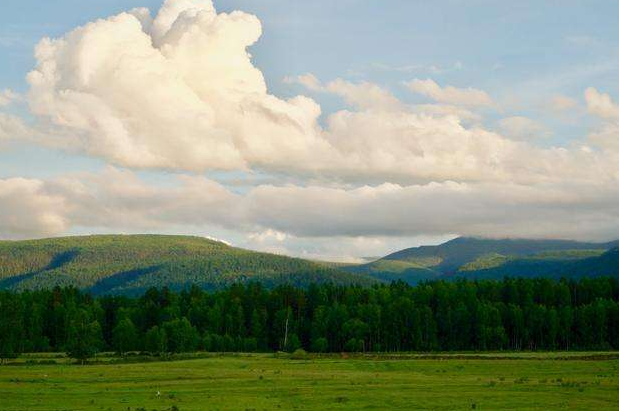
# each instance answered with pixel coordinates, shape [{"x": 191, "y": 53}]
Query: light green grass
[{"x": 264, "y": 382}]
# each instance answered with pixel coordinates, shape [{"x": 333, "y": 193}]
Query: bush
[
  {"x": 353, "y": 345},
  {"x": 293, "y": 343},
  {"x": 299, "y": 354}
]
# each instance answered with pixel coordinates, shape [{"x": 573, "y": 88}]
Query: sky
[{"x": 328, "y": 130}]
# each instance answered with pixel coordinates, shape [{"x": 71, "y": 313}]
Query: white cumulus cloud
[
  {"x": 177, "y": 91},
  {"x": 449, "y": 94},
  {"x": 7, "y": 97},
  {"x": 522, "y": 128},
  {"x": 602, "y": 106}
]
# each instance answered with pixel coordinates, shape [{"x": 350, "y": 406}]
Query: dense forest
[{"x": 513, "y": 314}]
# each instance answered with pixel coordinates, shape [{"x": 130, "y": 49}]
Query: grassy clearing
[{"x": 535, "y": 381}]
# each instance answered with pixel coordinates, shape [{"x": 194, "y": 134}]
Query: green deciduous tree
[
  {"x": 156, "y": 341},
  {"x": 83, "y": 336},
  {"x": 182, "y": 336},
  {"x": 125, "y": 336}
]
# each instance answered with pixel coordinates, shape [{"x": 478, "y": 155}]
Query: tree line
[{"x": 512, "y": 314}]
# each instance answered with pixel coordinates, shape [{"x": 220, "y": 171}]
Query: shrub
[
  {"x": 293, "y": 343},
  {"x": 353, "y": 345},
  {"x": 299, "y": 354}
]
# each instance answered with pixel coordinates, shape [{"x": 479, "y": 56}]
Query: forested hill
[
  {"x": 130, "y": 264},
  {"x": 494, "y": 259}
]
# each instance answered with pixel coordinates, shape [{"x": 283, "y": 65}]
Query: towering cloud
[
  {"x": 180, "y": 92},
  {"x": 177, "y": 92}
]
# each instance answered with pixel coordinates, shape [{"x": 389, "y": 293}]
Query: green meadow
[{"x": 530, "y": 381}]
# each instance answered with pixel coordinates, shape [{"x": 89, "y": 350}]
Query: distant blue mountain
[{"x": 490, "y": 258}]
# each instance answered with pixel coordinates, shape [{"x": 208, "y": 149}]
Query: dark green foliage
[
  {"x": 11, "y": 331},
  {"x": 293, "y": 343},
  {"x": 353, "y": 345},
  {"x": 512, "y": 314},
  {"x": 124, "y": 336},
  {"x": 319, "y": 344},
  {"x": 83, "y": 336},
  {"x": 130, "y": 265},
  {"x": 182, "y": 336},
  {"x": 250, "y": 344},
  {"x": 156, "y": 340}
]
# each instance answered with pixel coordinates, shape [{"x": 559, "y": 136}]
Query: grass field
[{"x": 574, "y": 381}]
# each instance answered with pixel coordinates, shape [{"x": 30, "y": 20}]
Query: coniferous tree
[{"x": 11, "y": 338}]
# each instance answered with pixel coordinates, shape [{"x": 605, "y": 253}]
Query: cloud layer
[
  {"x": 118, "y": 199},
  {"x": 178, "y": 91},
  {"x": 29, "y": 210}
]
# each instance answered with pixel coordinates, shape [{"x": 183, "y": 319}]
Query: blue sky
[
  {"x": 565, "y": 46},
  {"x": 522, "y": 54}
]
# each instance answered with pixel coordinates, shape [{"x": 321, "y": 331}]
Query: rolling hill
[
  {"x": 119, "y": 264},
  {"x": 488, "y": 258},
  {"x": 130, "y": 264}
]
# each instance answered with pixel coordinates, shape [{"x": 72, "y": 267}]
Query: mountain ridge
[
  {"x": 474, "y": 257},
  {"x": 121, "y": 264},
  {"x": 130, "y": 264}
]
